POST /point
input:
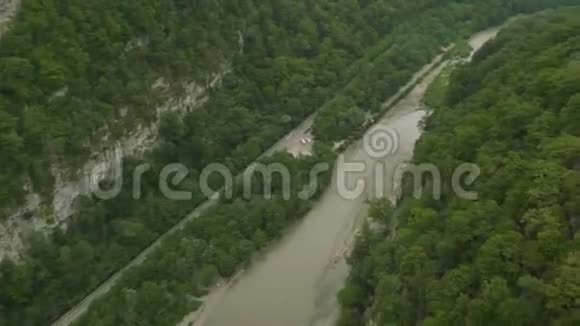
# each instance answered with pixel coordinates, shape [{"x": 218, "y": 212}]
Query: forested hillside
[
  {"x": 172, "y": 280},
  {"x": 513, "y": 256},
  {"x": 292, "y": 61},
  {"x": 296, "y": 57},
  {"x": 102, "y": 56}
]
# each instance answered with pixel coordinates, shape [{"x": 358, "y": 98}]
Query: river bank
[
  {"x": 435, "y": 257},
  {"x": 297, "y": 281}
]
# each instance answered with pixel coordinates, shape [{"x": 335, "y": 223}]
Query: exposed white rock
[
  {"x": 102, "y": 165},
  {"x": 8, "y": 10},
  {"x": 137, "y": 43},
  {"x": 37, "y": 215},
  {"x": 241, "y": 42},
  {"x": 59, "y": 93}
]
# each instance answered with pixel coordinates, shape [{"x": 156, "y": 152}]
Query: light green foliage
[{"x": 435, "y": 95}]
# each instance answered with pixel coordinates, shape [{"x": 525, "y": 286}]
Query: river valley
[{"x": 295, "y": 283}]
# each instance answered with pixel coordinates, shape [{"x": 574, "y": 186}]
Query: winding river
[{"x": 296, "y": 282}]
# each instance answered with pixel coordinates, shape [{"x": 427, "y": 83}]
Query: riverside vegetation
[
  {"x": 344, "y": 56},
  {"x": 513, "y": 256}
]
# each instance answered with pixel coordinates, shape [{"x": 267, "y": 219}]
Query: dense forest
[
  {"x": 512, "y": 257},
  {"x": 342, "y": 56},
  {"x": 170, "y": 282},
  {"x": 291, "y": 63},
  {"x": 68, "y": 67}
]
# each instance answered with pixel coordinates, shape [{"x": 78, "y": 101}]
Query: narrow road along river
[{"x": 296, "y": 282}]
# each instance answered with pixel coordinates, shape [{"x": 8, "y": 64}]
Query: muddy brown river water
[{"x": 296, "y": 281}]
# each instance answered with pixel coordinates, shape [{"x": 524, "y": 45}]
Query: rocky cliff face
[
  {"x": 41, "y": 216},
  {"x": 8, "y": 10}
]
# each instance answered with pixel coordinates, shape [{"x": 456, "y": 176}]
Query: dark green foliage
[
  {"x": 512, "y": 257},
  {"x": 106, "y": 55},
  {"x": 103, "y": 56},
  {"x": 292, "y": 61},
  {"x": 409, "y": 45},
  {"x": 213, "y": 246}
]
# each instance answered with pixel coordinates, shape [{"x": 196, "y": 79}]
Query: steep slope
[
  {"x": 8, "y": 10},
  {"x": 61, "y": 107},
  {"x": 512, "y": 256},
  {"x": 290, "y": 64},
  {"x": 78, "y": 97}
]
